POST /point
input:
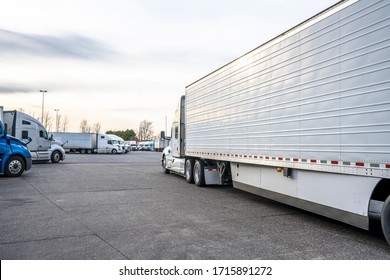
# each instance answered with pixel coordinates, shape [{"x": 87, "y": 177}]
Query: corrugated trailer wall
[{"x": 321, "y": 90}]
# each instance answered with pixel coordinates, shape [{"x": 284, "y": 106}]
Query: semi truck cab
[
  {"x": 24, "y": 126},
  {"x": 15, "y": 158}
]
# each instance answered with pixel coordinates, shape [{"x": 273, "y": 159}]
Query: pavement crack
[{"x": 46, "y": 239}]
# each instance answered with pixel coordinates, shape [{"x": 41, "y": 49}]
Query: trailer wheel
[
  {"x": 189, "y": 171},
  {"x": 55, "y": 157},
  {"x": 385, "y": 219},
  {"x": 14, "y": 166},
  {"x": 199, "y": 173},
  {"x": 164, "y": 165}
]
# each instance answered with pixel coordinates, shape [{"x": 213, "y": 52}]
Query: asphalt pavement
[{"x": 110, "y": 207}]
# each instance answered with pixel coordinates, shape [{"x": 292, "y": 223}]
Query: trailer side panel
[{"x": 316, "y": 97}]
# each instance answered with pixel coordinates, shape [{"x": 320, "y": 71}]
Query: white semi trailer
[
  {"x": 89, "y": 142},
  {"x": 303, "y": 119}
]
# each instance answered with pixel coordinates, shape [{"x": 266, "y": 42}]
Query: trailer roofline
[{"x": 276, "y": 37}]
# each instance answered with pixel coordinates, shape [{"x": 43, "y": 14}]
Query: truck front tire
[
  {"x": 199, "y": 173},
  {"x": 164, "y": 165},
  {"x": 14, "y": 166},
  {"x": 55, "y": 157}
]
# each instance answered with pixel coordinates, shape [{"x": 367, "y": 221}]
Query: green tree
[{"x": 127, "y": 134}]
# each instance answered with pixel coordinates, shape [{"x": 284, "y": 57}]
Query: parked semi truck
[
  {"x": 122, "y": 143},
  {"x": 88, "y": 142},
  {"x": 15, "y": 158},
  {"x": 302, "y": 119},
  {"x": 132, "y": 144},
  {"x": 24, "y": 126}
]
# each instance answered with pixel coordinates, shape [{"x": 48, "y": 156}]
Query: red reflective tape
[
  {"x": 313, "y": 161},
  {"x": 266, "y": 157},
  {"x": 255, "y": 156},
  {"x": 280, "y": 158},
  {"x": 334, "y": 162},
  {"x": 245, "y": 156},
  {"x": 295, "y": 159},
  {"x": 359, "y": 163},
  {"x": 387, "y": 165}
]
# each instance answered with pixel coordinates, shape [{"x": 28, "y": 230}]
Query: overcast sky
[{"x": 119, "y": 62}]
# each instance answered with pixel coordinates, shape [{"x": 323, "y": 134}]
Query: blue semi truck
[{"x": 15, "y": 158}]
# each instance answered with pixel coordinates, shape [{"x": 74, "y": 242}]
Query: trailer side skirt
[{"x": 318, "y": 192}]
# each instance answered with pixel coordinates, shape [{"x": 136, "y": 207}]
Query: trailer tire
[
  {"x": 56, "y": 157},
  {"x": 14, "y": 166},
  {"x": 199, "y": 173},
  {"x": 385, "y": 219},
  {"x": 189, "y": 172},
  {"x": 164, "y": 165}
]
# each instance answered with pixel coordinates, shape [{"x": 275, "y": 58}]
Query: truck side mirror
[
  {"x": 162, "y": 134},
  {"x": 51, "y": 137}
]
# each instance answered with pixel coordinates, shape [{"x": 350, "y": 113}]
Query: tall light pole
[
  {"x": 57, "y": 124},
  {"x": 43, "y": 101}
]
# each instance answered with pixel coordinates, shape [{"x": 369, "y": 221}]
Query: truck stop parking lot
[{"x": 124, "y": 207}]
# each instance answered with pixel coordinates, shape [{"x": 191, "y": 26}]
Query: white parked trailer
[
  {"x": 88, "y": 142},
  {"x": 77, "y": 142},
  {"x": 302, "y": 119}
]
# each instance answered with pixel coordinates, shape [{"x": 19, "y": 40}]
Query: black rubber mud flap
[{"x": 385, "y": 219}]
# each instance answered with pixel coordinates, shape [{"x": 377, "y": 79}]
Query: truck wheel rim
[
  {"x": 188, "y": 170},
  {"x": 56, "y": 157},
  {"x": 196, "y": 173},
  {"x": 15, "y": 166}
]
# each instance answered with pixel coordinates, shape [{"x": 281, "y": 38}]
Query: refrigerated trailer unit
[{"x": 303, "y": 119}]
